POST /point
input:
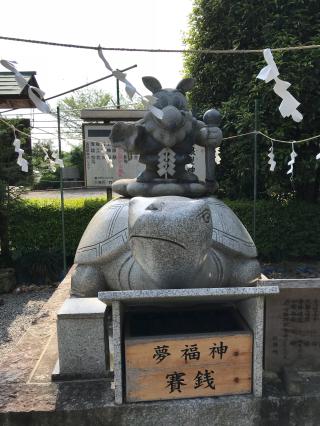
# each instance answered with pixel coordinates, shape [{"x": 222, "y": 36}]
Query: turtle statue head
[
  {"x": 172, "y": 102},
  {"x": 169, "y": 237}
]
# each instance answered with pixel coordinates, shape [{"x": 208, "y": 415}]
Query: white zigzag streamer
[
  {"x": 318, "y": 156},
  {"x": 293, "y": 156},
  {"x": 217, "y": 157},
  {"x": 289, "y": 104},
  {"x": 147, "y": 101},
  {"x": 54, "y": 161},
  {"x": 271, "y": 159},
  {"x": 106, "y": 156},
  {"x": 58, "y": 160},
  {"x": 22, "y": 162}
]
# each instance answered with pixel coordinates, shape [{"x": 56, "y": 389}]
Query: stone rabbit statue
[{"x": 167, "y": 141}]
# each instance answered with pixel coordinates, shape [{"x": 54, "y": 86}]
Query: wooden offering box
[{"x": 189, "y": 353}]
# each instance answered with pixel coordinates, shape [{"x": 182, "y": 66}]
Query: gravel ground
[
  {"x": 17, "y": 312},
  {"x": 298, "y": 269}
]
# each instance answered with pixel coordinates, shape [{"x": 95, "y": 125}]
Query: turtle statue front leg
[
  {"x": 244, "y": 271},
  {"x": 87, "y": 281},
  {"x": 233, "y": 270}
]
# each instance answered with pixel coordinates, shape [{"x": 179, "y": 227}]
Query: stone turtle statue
[{"x": 164, "y": 242}]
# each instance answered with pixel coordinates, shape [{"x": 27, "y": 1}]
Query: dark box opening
[{"x": 158, "y": 321}]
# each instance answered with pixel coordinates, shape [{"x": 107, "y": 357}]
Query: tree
[
  {"x": 74, "y": 158},
  {"x": 38, "y": 155},
  {"x": 229, "y": 83},
  {"x": 72, "y": 105},
  {"x": 45, "y": 177},
  {"x": 12, "y": 180}
]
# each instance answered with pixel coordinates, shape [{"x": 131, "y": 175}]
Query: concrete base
[
  {"x": 59, "y": 376},
  {"x": 249, "y": 301},
  {"x": 90, "y": 404},
  {"x": 300, "y": 382},
  {"x": 29, "y": 398}
]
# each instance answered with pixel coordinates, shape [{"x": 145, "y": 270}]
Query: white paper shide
[{"x": 289, "y": 104}]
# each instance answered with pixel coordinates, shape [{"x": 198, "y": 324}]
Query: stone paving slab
[
  {"x": 18, "y": 366},
  {"x": 19, "y": 363},
  {"x": 46, "y": 363}
]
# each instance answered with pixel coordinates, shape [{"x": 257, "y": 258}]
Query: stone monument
[{"x": 168, "y": 230}]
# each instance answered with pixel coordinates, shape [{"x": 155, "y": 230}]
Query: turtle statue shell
[
  {"x": 106, "y": 233},
  {"x": 164, "y": 242}
]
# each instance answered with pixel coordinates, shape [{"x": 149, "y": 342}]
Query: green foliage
[
  {"x": 49, "y": 179},
  {"x": 10, "y": 172},
  {"x": 85, "y": 98},
  {"x": 39, "y": 267},
  {"x": 35, "y": 225},
  {"x": 126, "y": 103},
  {"x": 74, "y": 158},
  {"x": 11, "y": 180},
  {"x": 228, "y": 82},
  {"x": 284, "y": 229},
  {"x": 71, "y": 106},
  {"x": 38, "y": 156}
]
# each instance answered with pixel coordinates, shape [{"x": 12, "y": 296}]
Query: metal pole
[
  {"x": 83, "y": 85},
  {"x": 255, "y": 164},
  {"x": 118, "y": 95},
  {"x": 62, "y": 199},
  {"x": 109, "y": 193}
]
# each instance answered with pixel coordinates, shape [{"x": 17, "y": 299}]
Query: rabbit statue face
[
  {"x": 171, "y": 97},
  {"x": 171, "y": 101}
]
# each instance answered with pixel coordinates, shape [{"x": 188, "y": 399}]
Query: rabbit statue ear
[
  {"x": 186, "y": 85},
  {"x": 152, "y": 84}
]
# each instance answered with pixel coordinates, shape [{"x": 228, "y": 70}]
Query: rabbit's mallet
[{"x": 211, "y": 118}]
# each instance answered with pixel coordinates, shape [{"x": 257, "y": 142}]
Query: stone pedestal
[
  {"x": 82, "y": 340},
  {"x": 248, "y": 300},
  {"x": 292, "y": 332}
]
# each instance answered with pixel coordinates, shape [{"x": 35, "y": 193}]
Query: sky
[{"x": 126, "y": 23}]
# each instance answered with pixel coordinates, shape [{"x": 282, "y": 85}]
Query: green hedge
[
  {"x": 35, "y": 225},
  {"x": 283, "y": 230}
]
